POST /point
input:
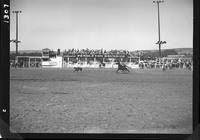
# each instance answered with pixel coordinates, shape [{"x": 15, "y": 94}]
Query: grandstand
[
  {"x": 93, "y": 59},
  {"x": 82, "y": 58}
]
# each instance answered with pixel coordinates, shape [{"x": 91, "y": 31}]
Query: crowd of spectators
[
  {"x": 95, "y": 52},
  {"x": 181, "y": 63}
]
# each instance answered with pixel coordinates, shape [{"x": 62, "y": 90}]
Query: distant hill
[
  {"x": 165, "y": 52},
  {"x": 178, "y": 50},
  {"x": 27, "y": 51},
  {"x": 184, "y": 50}
]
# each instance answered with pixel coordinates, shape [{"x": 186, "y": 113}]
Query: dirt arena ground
[{"x": 100, "y": 101}]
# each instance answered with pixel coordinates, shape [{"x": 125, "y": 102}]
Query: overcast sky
[{"x": 96, "y": 24}]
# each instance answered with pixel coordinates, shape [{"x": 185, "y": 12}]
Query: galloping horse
[{"x": 122, "y": 67}]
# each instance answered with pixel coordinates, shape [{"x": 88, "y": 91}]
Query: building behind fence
[{"x": 95, "y": 59}]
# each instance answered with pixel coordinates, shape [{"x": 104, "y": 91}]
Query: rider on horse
[{"x": 122, "y": 67}]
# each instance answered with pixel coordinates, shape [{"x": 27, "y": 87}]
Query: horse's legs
[{"x": 126, "y": 69}]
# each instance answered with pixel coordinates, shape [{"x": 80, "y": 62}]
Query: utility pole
[
  {"x": 16, "y": 41},
  {"x": 159, "y": 39}
]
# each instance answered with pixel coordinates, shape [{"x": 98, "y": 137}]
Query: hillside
[
  {"x": 27, "y": 51},
  {"x": 184, "y": 50},
  {"x": 177, "y": 50}
]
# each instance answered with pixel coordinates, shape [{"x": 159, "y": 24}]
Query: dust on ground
[{"x": 100, "y": 101}]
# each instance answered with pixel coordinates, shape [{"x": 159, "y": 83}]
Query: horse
[
  {"x": 77, "y": 69},
  {"x": 122, "y": 67},
  {"x": 189, "y": 67}
]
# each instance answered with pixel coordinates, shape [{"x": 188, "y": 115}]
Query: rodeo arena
[
  {"x": 85, "y": 58},
  {"x": 99, "y": 91}
]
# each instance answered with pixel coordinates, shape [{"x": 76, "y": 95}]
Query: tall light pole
[
  {"x": 16, "y": 41},
  {"x": 159, "y": 40}
]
